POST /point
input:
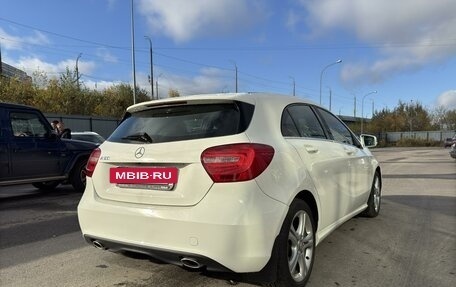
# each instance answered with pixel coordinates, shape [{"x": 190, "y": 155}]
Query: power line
[
  {"x": 156, "y": 53},
  {"x": 192, "y": 62},
  {"x": 431, "y": 43},
  {"x": 63, "y": 36}
]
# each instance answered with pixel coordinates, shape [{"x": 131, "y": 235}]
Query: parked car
[
  {"x": 245, "y": 183},
  {"x": 31, "y": 152},
  {"x": 88, "y": 137},
  {"x": 449, "y": 142},
  {"x": 453, "y": 151}
]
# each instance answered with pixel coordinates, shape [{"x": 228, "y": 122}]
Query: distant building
[{"x": 8, "y": 71}]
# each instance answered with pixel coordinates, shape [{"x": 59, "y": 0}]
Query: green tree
[
  {"x": 450, "y": 117},
  {"x": 72, "y": 94},
  {"x": 64, "y": 95},
  {"x": 142, "y": 96},
  {"x": 443, "y": 119},
  {"x": 51, "y": 99},
  {"x": 404, "y": 117},
  {"x": 16, "y": 91},
  {"x": 114, "y": 100}
]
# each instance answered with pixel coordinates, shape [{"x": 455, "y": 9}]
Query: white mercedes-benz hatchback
[{"x": 245, "y": 183}]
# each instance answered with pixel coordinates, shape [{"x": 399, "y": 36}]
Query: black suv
[{"x": 31, "y": 152}]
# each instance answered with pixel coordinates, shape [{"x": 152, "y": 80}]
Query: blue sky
[{"x": 405, "y": 50}]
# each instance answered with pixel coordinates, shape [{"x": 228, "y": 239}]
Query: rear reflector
[
  {"x": 236, "y": 162},
  {"x": 92, "y": 162}
]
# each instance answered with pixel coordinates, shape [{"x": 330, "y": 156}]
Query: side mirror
[
  {"x": 52, "y": 135},
  {"x": 368, "y": 140}
]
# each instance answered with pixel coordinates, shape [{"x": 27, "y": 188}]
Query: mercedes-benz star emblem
[{"x": 140, "y": 152}]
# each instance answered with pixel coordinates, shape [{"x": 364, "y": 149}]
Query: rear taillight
[
  {"x": 236, "y": 162},
  {"x": 92, "y": 162}
]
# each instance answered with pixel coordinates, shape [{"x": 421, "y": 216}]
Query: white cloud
[
  {"x": 409, "y": 33},
  {"x": 33, "y": 64},
  {"x": 183, "y": 20},
  {"x": 447, "y": 100},
  {"x": 10, "y": 42},
  {"x": 106, "y": 55},
  {"x": 209, "y": 80},
  {"x": 99, "y": 85},
  {"x": 38, "y": 39}
]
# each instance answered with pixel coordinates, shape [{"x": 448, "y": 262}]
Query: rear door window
[
  {"x": 184, "y": 122},
  {"x": 337, "y": 129},
  {"x": 300, "y": 121}
]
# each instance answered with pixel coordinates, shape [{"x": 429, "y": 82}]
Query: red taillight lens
[
  {"x": 236, "y": 162},
  {"x": 92, "y": 162}
]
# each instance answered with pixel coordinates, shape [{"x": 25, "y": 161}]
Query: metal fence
[
  {"x": 439, "y": 136},
  {"x": 102, "y": 126}
]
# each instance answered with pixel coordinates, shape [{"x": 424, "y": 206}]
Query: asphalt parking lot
[{"x": 411, "y": 243}]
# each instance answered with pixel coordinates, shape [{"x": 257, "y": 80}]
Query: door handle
[
  {"x": 311, "y": 148},
  {"x": 350, "y": 151}
]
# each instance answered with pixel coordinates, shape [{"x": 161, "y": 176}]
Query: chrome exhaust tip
[
  {"x": 98, "y": 245},
  {"x": 191, "y": 263}
]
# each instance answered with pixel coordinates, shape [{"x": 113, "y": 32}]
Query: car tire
[
  {"x": 78, "y": 176},
  {"x": 296, "y": 246},
  {"x": 46, "y": 185},
  {"x": 375, "y": 198}
]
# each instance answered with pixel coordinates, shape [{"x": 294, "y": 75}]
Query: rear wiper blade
[{"x": 139, "y": 137}]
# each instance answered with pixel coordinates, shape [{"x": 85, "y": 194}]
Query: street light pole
[
  {"x": 133, "y": 52},
  {"x": 330, "y": 98},
  {"x": 236, "y": 75},
  {"x": 354, "y": 107},
  {"x": 372, "y": 107},
  {"x": 77, "y": 70},
  {"x": 321, "y": 74},
  {"x": 294, "y": 85},
  {"x": 411, "y": 119},
  {"x": 151, "y": 68},
  {"x": 362, "y": 108},
  {"x": 156, "y": 86},
  {"x": 236, "y": 78}
]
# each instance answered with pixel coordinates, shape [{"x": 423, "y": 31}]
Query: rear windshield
[{"x": 183, "y": 122}]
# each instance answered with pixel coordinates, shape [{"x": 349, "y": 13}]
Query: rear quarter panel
[{"x": 286, "y": 176}]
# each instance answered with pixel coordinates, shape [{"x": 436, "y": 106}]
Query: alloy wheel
[
  {"x": 300, "y": 246},
  {"x": 376, "y": 194}
]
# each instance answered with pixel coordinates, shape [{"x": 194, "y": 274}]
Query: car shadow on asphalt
[
  {"x": 230, "y": 278},
  {"x": 14, "y": 193}
]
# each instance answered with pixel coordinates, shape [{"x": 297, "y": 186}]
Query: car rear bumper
[
  {"x": 232, "y": 228},
  {"x": 168, "y": 256}
]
